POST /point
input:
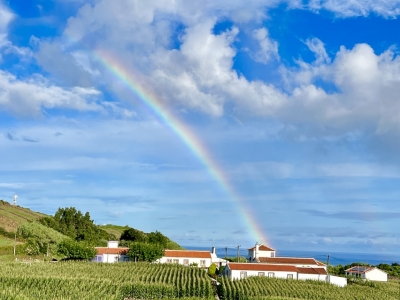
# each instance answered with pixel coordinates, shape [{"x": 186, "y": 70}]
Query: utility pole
[
  {"x": 327, "y": 265},
  {"x": 238, "y": 252},
  {"x": 226, "y": 253}
]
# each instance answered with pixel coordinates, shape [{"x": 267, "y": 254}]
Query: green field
[
  {"x": 11, "y": 216},
  {"x": 264, "y": 288},
  {"x": 74, "y": 280},
  {"x": 79, "y": 280},
  {"x": 5, "y": 241}
]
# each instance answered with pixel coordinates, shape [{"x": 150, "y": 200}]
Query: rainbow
[{"x": 183, "y": 132}]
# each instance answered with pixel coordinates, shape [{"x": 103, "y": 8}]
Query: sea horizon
[{"x": 335, "y": 258}]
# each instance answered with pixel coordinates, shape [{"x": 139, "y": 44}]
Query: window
[
  {"x": 289, "y": 276},
  {"x": 261, "y": 273},
  {"x": 243, "y": 275},
  {"x": 169, "y": 261},
  {"x": 99, "y": 258},
  {"x": 176, "y": 261},
  {"x": 272, "y": 254},
  {"x": 202, "y": 263},
  {"x": 186, "y": 262},
  {"x": 271, "y": 274}
]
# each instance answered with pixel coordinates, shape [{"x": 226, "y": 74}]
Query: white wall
[
  {"x": 376, "y": 275},
  {"x": 336, "y": 280},
  {"x": 320, "y": 277},
  {"x": 110, "y": 258},
  {"x": 235, "y": 274},
  {"x": 164, "y": 260}
]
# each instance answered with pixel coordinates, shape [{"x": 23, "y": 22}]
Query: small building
[
  {"x": 366, "y": 272},
  {"x": 203, "y": 259},
  {"x": 112, "y": 253},
  {"x": 216, "y": 260},
  {"x": 258, "y": 251}
]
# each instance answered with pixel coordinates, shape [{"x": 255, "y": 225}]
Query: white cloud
[
  {"x": 268, "y": 48},
  {"x": 31, "y": 96},
  {"x": 345, "y": 8},
  {"x": 199, "y": 74}
]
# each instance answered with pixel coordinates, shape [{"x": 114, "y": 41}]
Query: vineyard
[
  {"x": 264, "y": 288},
  {"x": 73, "y": 280},
  {"x": 80, "y": 280}
]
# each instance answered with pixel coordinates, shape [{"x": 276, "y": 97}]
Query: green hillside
[
  {"x": 12, "y": 216},
  {"x": 114, "y": 229}
]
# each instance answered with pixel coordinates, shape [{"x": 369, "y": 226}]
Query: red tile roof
[
  {"x": 316, "y": 271},
  {"x": 262, "y": 248},
  {"x": 105, "y": 250},
  {"x": 288, "y": 260},
  {"x": 187, "y": 253},
  {"x": 261, "y": 267}
]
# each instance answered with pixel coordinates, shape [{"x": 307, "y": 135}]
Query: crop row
[{"x": 259, "y": 288}]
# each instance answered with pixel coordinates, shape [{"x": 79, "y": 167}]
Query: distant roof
[
  {"x": 106, "y": 250},
  {"x": 289, "y": 260},
  {"x": 316, "y": 271},
  {"x": 262, "y": 248},
  {"x": 187, "y": 253},
  {"x": 261, "y": 267},
  {"x": 362, "y": 269}
]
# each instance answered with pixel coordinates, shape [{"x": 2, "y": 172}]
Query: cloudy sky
[{"x": 295, "y": 103}]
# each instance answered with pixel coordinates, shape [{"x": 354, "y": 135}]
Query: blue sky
[{"x": 296, "y": 101}]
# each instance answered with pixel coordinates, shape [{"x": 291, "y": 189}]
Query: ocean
[{"x": 336, "y": 258}]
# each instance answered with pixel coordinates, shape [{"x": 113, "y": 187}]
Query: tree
[
  {"x": 212, "y": 269},
  {"x": 74, "y": 224},
  {"x": 134, "y": 235},
  {"x": 69, "y": 249},
  {"x": 145, "y": 252},
  {"x": 158, "y": 238}
]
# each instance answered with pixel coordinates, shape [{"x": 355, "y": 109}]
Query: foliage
[
  {"x": 212, "y": 269},
  {"x": 242, "y": 259},
  {"x": 220, "y": 270},
  {"x": 157, "y": 238},
  {"x": 40, "y": 239},
  {"x": 145, "y": 252},
  {"x": 74, "y": 224},
  {"x": 69, "y": 249},
  {"x": 134, "y": 235},
  {"x": 88, "y": 281}
]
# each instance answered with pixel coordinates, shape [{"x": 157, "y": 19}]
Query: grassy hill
[
  {"x": 114, "y": 229},
  {"x": 12, "y": 216}
]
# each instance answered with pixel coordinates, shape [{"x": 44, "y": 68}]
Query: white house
[
  {"x": 187, "y": 257},
  {"x": 258, "y": 251},
  {"x": 245, "y": 270},
  {"x": 112, "y": 253},
  {"x": 365, "y": 272},
  {"x": 295, "y": 261}
]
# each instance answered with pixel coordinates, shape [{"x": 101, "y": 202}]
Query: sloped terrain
[{"x": 12, "y": 216}]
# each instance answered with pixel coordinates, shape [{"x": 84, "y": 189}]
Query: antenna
[{"x": 15, "y": 199}]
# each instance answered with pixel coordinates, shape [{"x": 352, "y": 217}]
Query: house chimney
[
  {"x": 257, "y": 248},
  {"x": 213, "y": 250}
]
